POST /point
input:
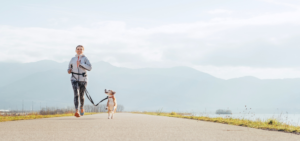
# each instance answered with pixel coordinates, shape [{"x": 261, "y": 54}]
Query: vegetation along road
[{"x": 132, "y": 127}]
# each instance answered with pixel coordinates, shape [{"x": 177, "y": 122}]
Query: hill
[{"x": 179, "y": 88}]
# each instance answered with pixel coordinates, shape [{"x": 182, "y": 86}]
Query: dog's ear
[
  {"x": 105, "y": 91},
  {"x": 113, "y": 92}
]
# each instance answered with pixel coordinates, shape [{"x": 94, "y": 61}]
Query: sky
[{"x": 227, "y": 39}]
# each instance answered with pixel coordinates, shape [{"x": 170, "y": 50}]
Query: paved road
[{"x": 132, "y": 127}]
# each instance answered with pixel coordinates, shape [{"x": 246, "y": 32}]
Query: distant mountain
[{"x": 178, "y": 88}]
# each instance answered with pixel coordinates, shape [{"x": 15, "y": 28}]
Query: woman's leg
[
  {"x": 82, "y": 85},
  {"x": 75, "y": 89}
]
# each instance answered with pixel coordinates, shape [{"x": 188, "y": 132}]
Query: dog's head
[{"x": 110, "y": 92}]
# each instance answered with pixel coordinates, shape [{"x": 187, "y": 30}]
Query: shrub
[{"x": 272, "y": 121}]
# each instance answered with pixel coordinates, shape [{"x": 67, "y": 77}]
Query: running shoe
[
  {"x": 82, "y": 112},
  {"x": 77, "y": 114}
]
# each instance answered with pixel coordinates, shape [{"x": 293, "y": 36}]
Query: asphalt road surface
[{"x": 132, "y": 127}]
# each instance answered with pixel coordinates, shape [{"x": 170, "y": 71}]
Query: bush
[{"x": 272, "y": 121}]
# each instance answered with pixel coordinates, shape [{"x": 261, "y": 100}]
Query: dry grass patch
[
  {"x": 270, "y": 124},
  {"x": 34, "y": 116}
]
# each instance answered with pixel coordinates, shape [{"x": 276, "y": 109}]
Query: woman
[{"x": 78, "y": 67}]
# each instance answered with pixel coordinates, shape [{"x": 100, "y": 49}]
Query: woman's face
[{"x": 79, "y": 50}]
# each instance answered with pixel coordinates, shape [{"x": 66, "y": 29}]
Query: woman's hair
[{"x": 80, "y": 46}]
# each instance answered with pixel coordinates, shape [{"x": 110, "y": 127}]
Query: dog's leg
[
  {"x": 112, "y": 114},
  {"x": 108, "y": 113},
  {"x": 115, "y": 109},
  {"x": 106, "y": 106}
]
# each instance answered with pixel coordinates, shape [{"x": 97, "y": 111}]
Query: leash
[{"x": 86, "y": 91}]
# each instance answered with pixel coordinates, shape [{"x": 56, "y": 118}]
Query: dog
[{"x": 111, "y": 103}]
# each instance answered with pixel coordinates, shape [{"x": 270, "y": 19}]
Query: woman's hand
[{"x": 69, "y": 71}]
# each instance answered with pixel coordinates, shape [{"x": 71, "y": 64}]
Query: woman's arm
[
  {"x": 70, "y": 67},
  {"x": 85, "y": 64}
]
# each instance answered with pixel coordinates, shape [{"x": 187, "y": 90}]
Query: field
[
  {"x": 270, "y": 124},
  {"x": 48, "y": 113},
  {"x": 4, "y": 118}
]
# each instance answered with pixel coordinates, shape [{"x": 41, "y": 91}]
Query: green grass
[
  {"x": 270, "y": 124},
  {"x": 35, "y": 116}
]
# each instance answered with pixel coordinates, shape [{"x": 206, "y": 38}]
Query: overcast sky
[{"x": 226, "y": 39}]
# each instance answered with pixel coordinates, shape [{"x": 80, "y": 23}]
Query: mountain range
[{"x": 47, "y": 83}]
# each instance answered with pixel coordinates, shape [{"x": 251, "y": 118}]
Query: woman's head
[{"x": 79, "y": 49}]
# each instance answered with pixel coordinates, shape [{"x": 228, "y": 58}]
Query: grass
[
  {"x": 36, "y": 116},
  {"x": 270, "y": 124},
  {"x": 50, "y": 112}
]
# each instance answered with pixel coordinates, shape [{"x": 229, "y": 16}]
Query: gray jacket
[{"x": 84, "y": 65}]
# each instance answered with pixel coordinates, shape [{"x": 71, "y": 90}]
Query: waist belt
[{"x": 83, "y": 74}]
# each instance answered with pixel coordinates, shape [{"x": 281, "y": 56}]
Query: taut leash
[{"x": 86, "y": 91}]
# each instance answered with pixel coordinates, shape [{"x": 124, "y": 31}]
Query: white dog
[{"x": 111, "y": 103}]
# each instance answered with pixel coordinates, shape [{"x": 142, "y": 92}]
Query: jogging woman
[{"x": 78, "y": 67}]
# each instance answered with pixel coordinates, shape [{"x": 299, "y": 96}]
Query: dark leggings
[{"x": 79, "y": 86}]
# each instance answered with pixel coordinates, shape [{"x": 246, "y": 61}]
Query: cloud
[
  {"x": 287, "y": 3},
  {"x": 257, "y": 53},
  {"x": 219, "y": 11},
  {"x": 208, "y": 37},
  {"x": 259, "y": 42}
]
